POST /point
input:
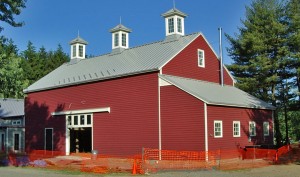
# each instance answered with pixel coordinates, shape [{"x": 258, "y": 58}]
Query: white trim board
[{"x": 81, "y": 111}]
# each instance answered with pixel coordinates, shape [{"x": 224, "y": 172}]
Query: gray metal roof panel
[
  {"x": 138, "y": 59},
  {"x": 215, "y": 94},
  {"x": 11, "y": 107}
]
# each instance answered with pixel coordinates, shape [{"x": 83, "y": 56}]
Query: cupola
[
  {"x": 120, "y": 38},
  {"x": 78, "y": 46},
  {"x": 174, "y": 22}
]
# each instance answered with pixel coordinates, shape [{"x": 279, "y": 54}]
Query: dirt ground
[{"x": 289, "y": 170}]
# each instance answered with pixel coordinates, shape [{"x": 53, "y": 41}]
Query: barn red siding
[
  {"x": 131, "y": 124},
  {"x": 182, "y": 120},
  {"x": 185, "y": 64},
  {"x": 229, "y": 114}
]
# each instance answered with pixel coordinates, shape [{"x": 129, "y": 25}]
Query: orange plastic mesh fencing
[{"x": 155, "y": 160}]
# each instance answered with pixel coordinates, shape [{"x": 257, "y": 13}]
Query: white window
[
  {"x": 79, "y": 120},
  {"x": 179, "y": 25},
  {"x": 201, "y": 58},
  {"x": 252, "y": 128},
  {"x": 124, "y": 40},
  {"x": 218, "y": 129},
  {"x": 236, "y": 129},
  {"x": 266, "y": 127},
  {"x": 80, "y": 50},
  {"x": 116, "y": 39},
  {"x": 74, "y": 50},
  {"x": 171, "y": 25}
]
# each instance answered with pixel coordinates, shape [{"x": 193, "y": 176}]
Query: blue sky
[{"x": 52, "y": 22}]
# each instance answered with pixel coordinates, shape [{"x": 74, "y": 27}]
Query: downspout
[
  {"x": 221, "y": 58},
  {"x": 206, "y": 132}
]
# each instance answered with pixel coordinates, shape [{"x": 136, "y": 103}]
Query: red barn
[{"x": 164, "y": 95}]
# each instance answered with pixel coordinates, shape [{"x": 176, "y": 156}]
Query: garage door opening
[
  {"x": 80, "y": 140},
  {"x": 79, "y": 133}
]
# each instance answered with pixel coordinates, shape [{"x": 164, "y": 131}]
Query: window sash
[
  {"x": 171, "y": 25},
  {"x": 252, "y": 129},
  {"x": 124, "y": 40},
  {"x": 80, "y": 51},
  {"x": 236, "y": 129},
  {"x": 116, "y": 39},
  {"x": 266, "y": 128},
  {"x": 201, "y": 58},
  {"x": 179, "y": 25},
  {"x": 218, "y": 132}
]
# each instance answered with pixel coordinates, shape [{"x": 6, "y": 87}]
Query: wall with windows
[
  {"x": 131, "y": 124},
  {"x": 230, "y": 127},
  {"x": 190, "y": 63}
]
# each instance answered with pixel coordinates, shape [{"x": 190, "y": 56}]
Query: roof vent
[
  {"x": 174, "y": 21},
  {"x": 78, "y": 46},
  {"x": 120, "y": 38}
]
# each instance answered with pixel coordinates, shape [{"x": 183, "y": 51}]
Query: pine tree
[
  {"x": 9, "y": 8},
  {"x": 258, "y": 51}
]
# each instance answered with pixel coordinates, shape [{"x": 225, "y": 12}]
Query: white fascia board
[{"x": 81, "y": 111}]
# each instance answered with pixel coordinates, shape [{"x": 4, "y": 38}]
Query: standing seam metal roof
[
  {"x": 215, "y": 94},
  {"x": 141, "y": 59},
  {"x": 11, "y": 107}
]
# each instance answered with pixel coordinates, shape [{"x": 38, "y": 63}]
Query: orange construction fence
[{"x": 152, "y": 160}]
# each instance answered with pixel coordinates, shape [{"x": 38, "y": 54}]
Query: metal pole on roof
[{"x": 221, "y": 58}]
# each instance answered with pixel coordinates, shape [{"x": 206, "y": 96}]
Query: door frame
[{"x": 45, "y": 142}]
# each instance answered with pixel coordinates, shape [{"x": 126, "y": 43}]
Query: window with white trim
[
  {"x": 124, "y": 42},
  {"x": 201, "y": 58},
  {"x": 236, "y": 129},
  {"x": 80, "y": 50},
  {"x": 266, "y": 127},
  {"x": 179, "y": 25},
  {"x": 116, "y": 39},
  {"x": 252, "y": 128},
  {"x": 79, "y": 120},
  {"x": 171, "y": 25},
  {"x": 218, "y": 129}
]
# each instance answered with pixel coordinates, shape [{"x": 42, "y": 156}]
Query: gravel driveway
[{"x": 290, "y": 170}]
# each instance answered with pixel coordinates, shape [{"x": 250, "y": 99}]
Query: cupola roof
[
  {"x": 174, "y": 11},
  {"x": 120, "y": 27},
  {"x": 78, "y": 40}
]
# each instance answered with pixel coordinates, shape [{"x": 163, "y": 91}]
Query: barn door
[{"x": 49, "y": 139}]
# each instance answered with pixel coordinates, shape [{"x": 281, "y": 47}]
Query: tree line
[
  {"x": 266, "y": 60},
  {"x": 18, "y": 70}
]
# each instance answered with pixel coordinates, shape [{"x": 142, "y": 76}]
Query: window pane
[
  {"x": 116, "y": 39},
  {"x": 266, "y": 128},
  {"x": 201, "y": 58},
  {"x": 179, "y": 25},
  {"x": 69, "y": 120},
  {"x": 82, "y": 120},
  {"x": 75, "y": 120},
  {"x": 88, "y": 120},
  {"x": 123, "y": 39},
  {"x": 74, "y": 50},
  {"x": 171, "y": 25},
  {"x": 80, "y": 51}
]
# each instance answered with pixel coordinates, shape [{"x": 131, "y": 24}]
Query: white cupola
[
  {"x": 174, "y": 22},
  {"x": 120, "y": 38},
  {"x": 78, "y": 46}
]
